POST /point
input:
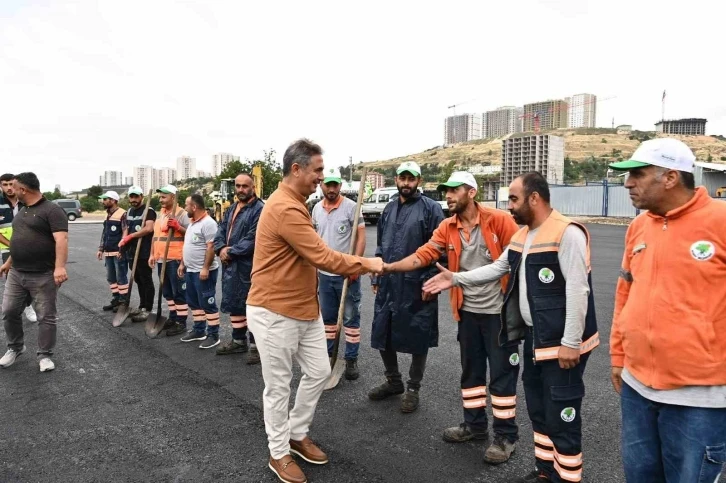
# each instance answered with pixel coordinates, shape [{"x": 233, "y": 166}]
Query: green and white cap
[
  {"x": 169, "y": 189},
  {"x": 135, "y": 190},
  {"x": 409, "y": 166},
  {"x": 457, "y": 179},
  {"x": 109, "y": 194},
  {"x": 332, "y": 175},
  {"x": 663, "y": 152}
]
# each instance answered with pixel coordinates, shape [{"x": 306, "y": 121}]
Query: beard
[
  {"x": 244, "y": 198},
  {"x": 406, "y": 192},
  {"x": 523, "y": 216}
]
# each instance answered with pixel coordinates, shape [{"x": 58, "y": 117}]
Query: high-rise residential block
[
  {"x": 220, "y": 162},
  {"x": 542, "y": 152},
  {"x": 164, "y": 176},
  {"x": 145, "y": 178},
  {"x": 186, "y": 168},
  {"x": 462, "y": 128},
  {"x": 376, "y": 180},
  {"x": 549, "y": 115},
  {"x": 111, "y": 178},
  {"x": 128, "y": 180},
  {"x": 582, "y": 110},
  {"x": 501, "y": 122}
]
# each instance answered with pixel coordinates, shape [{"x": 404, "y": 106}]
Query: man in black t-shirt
[
  {"x": 36, "y": 267},
  {"x": 142, "y": 275}
]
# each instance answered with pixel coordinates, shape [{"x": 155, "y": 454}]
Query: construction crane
[
  {"x": 537, "y": 115},
  {"x": 453, "y": 106}
]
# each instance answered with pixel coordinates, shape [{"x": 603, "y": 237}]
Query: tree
[
  {"x": 271, "y": 173},
  {"x": 89, "y": 204},
  {"x": 446, "y": 172},
  {"x": 231, "y": 171},
  {"x": 95, "y": 191}
]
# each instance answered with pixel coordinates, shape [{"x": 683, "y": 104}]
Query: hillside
[{"x": 580, "y": 145}]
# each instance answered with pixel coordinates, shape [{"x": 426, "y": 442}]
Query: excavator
[{"x": 224, "y": 199}]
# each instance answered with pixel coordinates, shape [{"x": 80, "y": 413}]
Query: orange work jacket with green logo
[
  {"x": 496, "y": 227},
  {"x": 176, "y": 245},
  {"x": 669, "y": 324}
]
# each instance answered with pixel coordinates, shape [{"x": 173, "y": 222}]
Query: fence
[{"x": 595, "y": 199}]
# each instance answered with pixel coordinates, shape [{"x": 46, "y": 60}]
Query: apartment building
[
  {"x": 541, "y": 152},
  {"x": 582, "y": 110},
  {"x": 551, "y": 114},
  {"x": 220, "y": 162},
  {"x": 502, "y": 121},
  {"x": 186, "y": 168},
  {"x": 111, "y": 178},
  {"x": 689, "y": 127},
  {"x": 462, "y": 128}
]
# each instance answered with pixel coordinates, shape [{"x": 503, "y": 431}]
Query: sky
[{"x": 95, "y": 85}]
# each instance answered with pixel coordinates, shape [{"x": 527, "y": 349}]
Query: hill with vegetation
[{"x": 587, "y": 153}]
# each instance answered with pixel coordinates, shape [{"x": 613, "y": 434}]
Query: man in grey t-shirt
[
  {"x": 201, "y": 266},
  {"x": 333, "y": 218}
]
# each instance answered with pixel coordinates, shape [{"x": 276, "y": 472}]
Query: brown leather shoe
[
  {"x": 308, "y": 451},
  {"x": 287, "y": 470}
]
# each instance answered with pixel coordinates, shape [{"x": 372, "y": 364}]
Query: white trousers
[{"x": 278, "y": 340}]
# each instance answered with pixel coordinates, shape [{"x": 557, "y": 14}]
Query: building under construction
[
  {"x": 462, "y": 128},
  {"x": 692, "y": 126},
  {"x": 541, "y": 152},
  {"x": 547, "y": 115}
]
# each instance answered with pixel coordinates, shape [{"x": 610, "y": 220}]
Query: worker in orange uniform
[
  {"x": 476, "y": 236},
  {"x": 549, "y": 303},
  {"x": 172, "y": 216},
  {"x": 667, "y": 343}
]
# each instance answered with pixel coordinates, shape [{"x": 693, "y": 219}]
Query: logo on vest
[
  {"x": 342, "y": 229},
  {"x": 703, "y": 250},
  {"x": 488, "y": 254},
  {"x": 514, "y": 359},
  {"x": 568, "y": 414},
  {"x": 184, "y": 286},
  {"x": 113, "y": 228},
  {"x": 137, "y": 228},
  {"x": 210, "y": 300},
  {"x": 195, "y": 238},
  {"x": 546, "y": 275}
]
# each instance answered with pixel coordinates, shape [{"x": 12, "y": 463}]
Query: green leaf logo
[
  {"x": 568, "y": 414},
  {"x": 703, "y": 250},
  {"x": 546, "y": 275}
]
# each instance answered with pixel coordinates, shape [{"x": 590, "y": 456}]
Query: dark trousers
[
  {"x": 478, "y": 338},
  {"x": 117, "y": 276},
  {"x": 663, "y": 443},
  {"x": 28, "y": 299},
  {"x": 202, "y": 299},
  {"x": 43, "y": 290},
  {"x": 144, "y": 282},
  {"x": 554, "y": 398},
  {"x": 390, "y": 362},
  {"x": 174, "y": 291}
]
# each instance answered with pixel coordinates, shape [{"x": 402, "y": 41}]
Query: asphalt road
[{"x": 121, "y": 407}]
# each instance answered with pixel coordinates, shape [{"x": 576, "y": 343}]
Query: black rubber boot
[{"x": 386, "y": 390}]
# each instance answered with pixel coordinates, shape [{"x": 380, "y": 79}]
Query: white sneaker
[
  {"x": 9, "y": 358},
  {"x": 46, "y": 364},
  {"x": 30, "y": 313}
]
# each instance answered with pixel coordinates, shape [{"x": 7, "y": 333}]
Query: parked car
[
  {"x": 374, "y": 204},
  {"x": 71, "y": 207}
]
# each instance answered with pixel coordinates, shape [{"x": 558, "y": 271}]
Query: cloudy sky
[{"x": 94, "y": 85}]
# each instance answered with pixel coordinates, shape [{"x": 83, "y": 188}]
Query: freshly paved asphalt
[{"x": 121, "y": 407}]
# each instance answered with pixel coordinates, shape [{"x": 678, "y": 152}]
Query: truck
[{"x": 373, "y": 206}]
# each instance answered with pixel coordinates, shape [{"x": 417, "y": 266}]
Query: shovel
[
  {"x": 155, "y": 324},
  {"x": 337, "y": 368},
  {"x": 124, "y": 309}
]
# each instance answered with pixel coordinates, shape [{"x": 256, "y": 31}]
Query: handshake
[{"x": 376, "y": 266}]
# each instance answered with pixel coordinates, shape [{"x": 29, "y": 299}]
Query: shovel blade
[
  {"x": 121, "y": 314},
  {"x": 154, "y": 325},
  {"x": 335, "y": 374}
]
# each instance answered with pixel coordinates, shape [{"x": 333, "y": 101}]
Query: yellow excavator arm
[{"x": 257, "y": 177}]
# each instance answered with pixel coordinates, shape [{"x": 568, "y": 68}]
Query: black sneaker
[
  {"x": 386, "y": 390},
  {"x": 193, "y": 336},
  {"x": 111, "y": 305},
  {"x": 232, "y": 347},
  {"x": 534, "y": 477},
  {"x": 169, "y": 324},
  {"x": 461, "y": 434},
  {"x": 175, "y": 329},
  {"x": 351, "y": 369},
  {"x": 210, "y": 342},
  {"x": 409, "y": 401}
]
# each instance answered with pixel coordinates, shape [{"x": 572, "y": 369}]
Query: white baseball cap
[
  {"x": 663, "y": 152},
  {"x": 135, "y": 190},
  {"x": 457, "y": 179},
  {"x": 109, "y": 194},
  {"x": 332, "y": 175},
  {"x": 169, "y": 189},
  {"x": 410, "y": 166}
]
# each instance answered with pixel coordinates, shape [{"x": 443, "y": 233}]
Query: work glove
[
  {"x": 125, "y": 240},
  {"x": 173, "y": 224}
]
